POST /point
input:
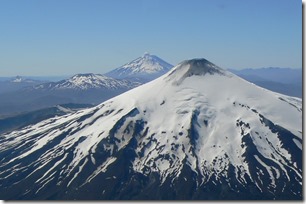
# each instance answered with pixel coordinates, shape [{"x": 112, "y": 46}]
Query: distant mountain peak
[
  {"x": 147, "y": 64},
  {"x": 17, "y": 79},
  {"x": 147, "y": 67},
  {"x": 85, "y": 75},
  {"x": 20, "y": 79},
  {"x": 87, "y": 78},
  {"x": 146, "y": 54},
  {"x": 88, "y": 81}
]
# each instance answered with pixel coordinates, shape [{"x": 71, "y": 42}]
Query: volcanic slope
[{"x": 198, "y": 132}]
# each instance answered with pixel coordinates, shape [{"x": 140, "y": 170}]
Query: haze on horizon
[{"x": 61, "y": 37}]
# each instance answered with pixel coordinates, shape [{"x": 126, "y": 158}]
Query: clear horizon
[
  {"x": 71, "y": 74},
  {"x": 55, "y": 38}
]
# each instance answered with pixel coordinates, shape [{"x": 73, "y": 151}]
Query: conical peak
[
  {"x": 200, "y": 67},
  {"x": 147, "y": 57},
  {"x": 146, "y": 54},
  {"x": 194, "y": 67}
]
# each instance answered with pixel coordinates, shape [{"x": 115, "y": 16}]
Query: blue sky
[{"x": 57, "y": 37}]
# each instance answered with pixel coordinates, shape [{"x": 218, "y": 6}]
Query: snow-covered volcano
[
  {"x": 144, "y": 69},
  {"x": 198, "y": 132}
]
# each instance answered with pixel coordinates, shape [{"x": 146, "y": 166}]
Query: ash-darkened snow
[{"x": 197, "y": 132}]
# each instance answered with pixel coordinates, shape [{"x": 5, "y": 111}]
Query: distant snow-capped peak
[
  {"x": 19, "y": 79},
  {"x": 89, "y": 81},
  {"x": 147, "y": 66}
]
